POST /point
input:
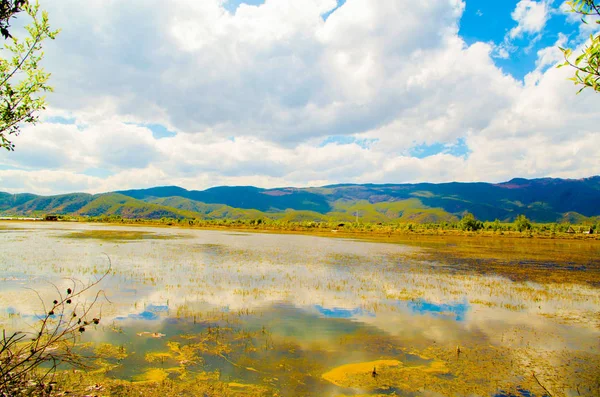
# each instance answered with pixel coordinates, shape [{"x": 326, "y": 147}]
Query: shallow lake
[{"x": 292, "y": 315}]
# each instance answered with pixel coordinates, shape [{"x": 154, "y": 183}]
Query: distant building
[
  {"x": 570, "y": 230},
  {"x": 52, "y": 218}
]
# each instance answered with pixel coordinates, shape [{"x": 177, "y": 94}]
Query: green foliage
[
  {"x": 8, "y": 10},
  {"x": 22, "y": 78},
  {"x": 522, "y": 223},
  {"x": 495, "y": 225},
  {"x": 469, "y": 223},
  {"x": 586, "y": 64}
]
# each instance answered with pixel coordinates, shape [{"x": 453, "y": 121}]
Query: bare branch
[{"x": 54, "y": 339}]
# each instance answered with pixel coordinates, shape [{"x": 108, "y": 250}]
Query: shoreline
[{"x": 375, "y": 233}]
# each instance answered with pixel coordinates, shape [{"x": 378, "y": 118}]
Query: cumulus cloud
[
  {"x": 253, "y": 96},
  {"x": 531, "y": 17},
  {"x": 278, "y": 70}
]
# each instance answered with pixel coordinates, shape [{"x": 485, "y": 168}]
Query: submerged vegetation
[{"x": 119, "y": 235}]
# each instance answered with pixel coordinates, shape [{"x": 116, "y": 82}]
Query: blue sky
[
  {"x": 305, "y": 93},
  {"x": 490, "y": 21}
]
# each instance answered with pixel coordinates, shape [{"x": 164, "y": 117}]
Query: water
[{"x": 302, "y": 315}]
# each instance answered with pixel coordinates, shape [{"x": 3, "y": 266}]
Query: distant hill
[
  {"x": 81, "y": 204},
  {"x": 541, "y": 200},
  {"x": 247, "y": 197}
]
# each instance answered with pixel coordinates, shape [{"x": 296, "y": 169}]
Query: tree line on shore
[{"x": 467, "y": 224}]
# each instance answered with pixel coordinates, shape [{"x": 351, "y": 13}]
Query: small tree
[
  {"x": 522, "y": 223},
  {"x": 22, "y": 78},
  {"x": 587, "y": 64},
  {"x": 469, "y": 222},
  {"x": 496, "y": 225}
]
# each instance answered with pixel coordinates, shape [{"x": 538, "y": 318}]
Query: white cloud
[
  {"x": 501, "y": 51},
  {"x": 253, "y": 95},
  {"x": 531, "y": 17},
  {"x": 45, "y": 182},
  {"x": 551, "y": 55},
  {"x": 278, "y": 70}
]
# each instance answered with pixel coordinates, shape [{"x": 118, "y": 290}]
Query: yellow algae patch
[
  {"x": 437, "y": 366},
  {"x": 159, "y": 357},
  {"x": 239, "y": 385},
  {"x": 363, "y": 395},
  {"x": 388, "y": 374},
  {"x": 345, "y": 374},
  {"x": 207, "y": 377},
  {"x": 106, "y": 350},
  {"x": 152, "y": 375},
  {"x": 247, "y": 390},
  {"x": 185, "y": 355}
]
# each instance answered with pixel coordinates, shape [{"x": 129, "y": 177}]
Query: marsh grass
[
  {"x": 120, "y": 235},
  {"x": 542, "y": 261}
]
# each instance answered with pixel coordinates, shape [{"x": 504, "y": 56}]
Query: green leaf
[{"x": 22, "y": 78}]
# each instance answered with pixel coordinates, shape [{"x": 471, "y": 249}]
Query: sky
[{"x": 305, "y": 93}]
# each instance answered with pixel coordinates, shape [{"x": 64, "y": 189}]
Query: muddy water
[{"x": 302, "y": 315}]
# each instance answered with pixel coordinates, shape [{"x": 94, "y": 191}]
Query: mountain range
[{"x": 541, "y": 200}]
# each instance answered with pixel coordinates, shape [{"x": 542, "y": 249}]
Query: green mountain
[
  {"x": 127, "y": 207},
  {"x": 541, "y": 200},
  {"x": 248, "y": 197},
  {"x": 82, "y": 204},
  {"x": 207, "y": 211}
]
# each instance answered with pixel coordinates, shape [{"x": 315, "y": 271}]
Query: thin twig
[{"x": 540, "y": 383}]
